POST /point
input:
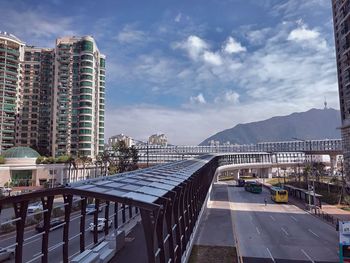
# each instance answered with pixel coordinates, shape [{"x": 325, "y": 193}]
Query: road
[
  {"x": 32, "y": 241},
  {"x": 279, "y": 232}
]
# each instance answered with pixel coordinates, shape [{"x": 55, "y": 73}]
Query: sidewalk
[{"x": 332, "y": 210}]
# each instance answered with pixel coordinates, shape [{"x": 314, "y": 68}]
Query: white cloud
[
  {"x": 35, "y": 27},
  {"x": 199, "y": 99},
  {"x": 130, "y": 35},
  {"x": 307, "y": 37},
  {"x": 232, "y": 96},
  {"x": 194, "y": 45},
  {"x": 212, "y": 58},
  {"x": 232, "y": 46},
  {"x": 178, "y": 18}
]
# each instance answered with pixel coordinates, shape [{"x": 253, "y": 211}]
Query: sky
[{"x": 192, "y": 68}]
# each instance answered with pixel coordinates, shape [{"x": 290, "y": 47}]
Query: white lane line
[
  {"x": 312, "y": 232},
  {"x": 268, "y": 251},
  {"x": 257, "y": 230},
  {"x": 296, "y": 220},
  {"x": 273, "y": 218},
  {"x": 306, "y": 255},
  {"x": 285, "y": 231}
]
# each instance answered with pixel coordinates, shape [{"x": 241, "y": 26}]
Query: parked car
[
  {"x": 54, "y": 222},
  {"x": 90, "y": 209},
  {"x": 34, "y": 207},
  {"x": 100, "y": 224},
  {"x": 6, "y": 254}
]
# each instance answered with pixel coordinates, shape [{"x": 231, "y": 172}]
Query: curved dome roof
[{"x": 20, "y": 152}]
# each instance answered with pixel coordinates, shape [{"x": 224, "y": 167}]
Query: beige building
[
  {"x": 20, "y": 170},
  {"x": 158, "y": 139},
  {"x": 121, "y": 137}
]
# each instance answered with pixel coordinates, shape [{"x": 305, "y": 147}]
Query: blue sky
[{"x": 192, "y": 68}]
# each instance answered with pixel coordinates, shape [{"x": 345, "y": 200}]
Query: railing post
[
  {"x": 67, "y": 210},
  {"x": 83, "y": 202},
  {"x": 47, "y": 205},
  {"x": 20, "y": 212}
]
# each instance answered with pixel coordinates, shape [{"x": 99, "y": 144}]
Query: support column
[
  {"x": 83, "y": 202},
  {"x": 67, "y": 210},
  {"x": 47, "y": 203},
  {"x": 20, "y": 212}
]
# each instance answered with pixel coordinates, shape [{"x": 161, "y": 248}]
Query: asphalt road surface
[
  {"x": 279, "y": 232},
  {"x": 32, "y": 241}
]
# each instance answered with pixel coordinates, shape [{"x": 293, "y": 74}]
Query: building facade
[
  {"x": 52, "y": 99},
  {"x": 121, "y": 137},
  {"x": 33, "y": 126},
  {"x": 78, "y": 98},
  {"x": 341, "y": 21},
  {"x": 11, "y": 56},
  {"x": 156, "y": 139}
]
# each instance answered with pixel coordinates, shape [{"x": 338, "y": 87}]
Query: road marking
[
  {"x": 35, "y": 240},
  {"x": 273, "y": 218},
  {"x": 312, "y": 232},
  {"x": 285, "y": 231},
  {"x": 306, "y": 255},
  {"x": 251, "y": 218},
  {"x": 257, "y": 230},
  {"x": 268, "y": 250},
  {"x": 296, "y": 220}
]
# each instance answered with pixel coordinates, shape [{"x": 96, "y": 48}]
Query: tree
[
  {"x": 124, "y": 159},
  {"x": 319, "y": 169}
]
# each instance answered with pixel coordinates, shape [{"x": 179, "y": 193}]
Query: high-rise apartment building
[
  {"x": 78, "y": 97},
  {"x": 11, "y": 55},
  {"x": 341, "y": 21},
  {"x": 52, "y": 99},
  {"x": 34, "y": 112}
]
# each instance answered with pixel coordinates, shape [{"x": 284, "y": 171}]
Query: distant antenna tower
[{"x": 325, "y": 103}]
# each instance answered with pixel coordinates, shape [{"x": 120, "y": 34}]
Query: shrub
[
  {"x": 2, "y": 159},
  {"x": 63, "y": 159},
  {"x": 57, "y": 212},
  {"x": 6, "y": 228},
  {"x": 31, "y": 221},
  {"x": 40, "y": 159}
]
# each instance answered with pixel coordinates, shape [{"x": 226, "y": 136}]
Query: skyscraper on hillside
[
  {"x": 11, "y": 55},
  {"x": 78, "y": 98},
  {"x": 52, "y": 99},
  {"x": 341, "y": 20}
]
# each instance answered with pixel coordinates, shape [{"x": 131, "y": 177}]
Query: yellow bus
[{"x": 279, "y": 195}]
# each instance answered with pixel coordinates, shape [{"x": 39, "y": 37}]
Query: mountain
[{"x": 312, "y": 124}]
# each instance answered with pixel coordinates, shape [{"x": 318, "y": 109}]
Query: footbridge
[
  {"x": 168, "y": 199},
  {"x": 160, "y": 154}
]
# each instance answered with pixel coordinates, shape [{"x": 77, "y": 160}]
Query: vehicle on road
[
  {"x": 253, "y": 187},
  {"x": 279, "y": 195},
  {"x": 240, "y": 182},
  {"x": 54, "y": 222},
  {"x": 34, "y": 207},
  {"x": 6, "y": 254},
  {"x": 100, "y": 224},
  {"x": 90, "y": 209}
]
